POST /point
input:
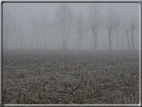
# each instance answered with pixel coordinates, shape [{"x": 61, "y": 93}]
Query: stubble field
[{"x": 70, "y": 77}]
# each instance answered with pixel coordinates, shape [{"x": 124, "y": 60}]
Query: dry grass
[{"x": 51, "y": 78}]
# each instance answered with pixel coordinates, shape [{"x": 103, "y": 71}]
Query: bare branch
[{"x": 64, "y": 23}]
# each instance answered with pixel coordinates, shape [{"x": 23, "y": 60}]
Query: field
[{"x": 70, "y": 77}]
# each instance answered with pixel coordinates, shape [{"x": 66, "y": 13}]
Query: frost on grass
[{"x": 70, "y": 78}]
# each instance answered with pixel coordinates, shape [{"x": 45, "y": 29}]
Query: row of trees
[
  {"x": 9, "y": 26},
  {"x": 65, "y": 25}
]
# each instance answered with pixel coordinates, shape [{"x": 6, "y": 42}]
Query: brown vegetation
[{"x": 67, "y": 78}]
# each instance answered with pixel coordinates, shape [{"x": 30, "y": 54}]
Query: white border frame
[{"x": 121, "y": 1}]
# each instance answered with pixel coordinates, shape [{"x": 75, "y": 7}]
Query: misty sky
[{"x": 23, "y": 12}]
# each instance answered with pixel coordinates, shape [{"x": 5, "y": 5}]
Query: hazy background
[{"x": 22, "y": 14}]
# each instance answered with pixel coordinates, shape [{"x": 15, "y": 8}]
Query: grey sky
[{"x": 23, "y": 12}]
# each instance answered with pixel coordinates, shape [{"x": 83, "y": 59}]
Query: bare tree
[
  {"x": 126, "y": 30},
  {"x": 128, "y": 39},
  {"x": 110, "y": 23},
  {"x": 36, "y": 27},
  {"x": 122, "y": 36},
  {"x": 44, "y": 29},
  {"x": 16, "y": 29},
  {"x": 64, "y": 23},
  {"x": 95, "y": 21},
  {"x": 21, "y": 36},
  {"x": 8, "y": 21},
  {"x": 51, "y": 42},
  {"x": 133, "y": 26},
  {"x": 116, "y": 27},
  {"x": 80, "y": 30},
  {"x": 91, "y": 43}
]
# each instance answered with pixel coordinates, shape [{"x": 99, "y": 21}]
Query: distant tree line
[{"x": 66, "y": 24}]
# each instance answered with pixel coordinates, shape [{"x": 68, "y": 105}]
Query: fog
[{"x": 28, "y": 22}]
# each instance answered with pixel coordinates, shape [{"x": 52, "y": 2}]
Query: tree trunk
[
  {"x": 37, "y": 41},
  {"x": 32, "y": 43},
  {"x": 109, "y": 36},
  {"x": 21, "y": 43},
  {"x": 91, "y": 44},
  {"x": 109, "y": 42},
  {"x": 5, "y": 42},
  {"x": 45, "y": 42},
  {"x": 122, "y": 42},
  {"x": 94, "y": 37},
  {"x": 132, "y": 40},
  {"x": 63, "y": 44},
  {"x": 79, "y": 42},
  {"x": 16, "y": 40},
  {"x": 51, "y": 42},
  {"x": 96, "y": 42},
  {"x": 128, "y": 40},
  {"x": 117, "y": 44},
  {"x": 117, "y": 41}
]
